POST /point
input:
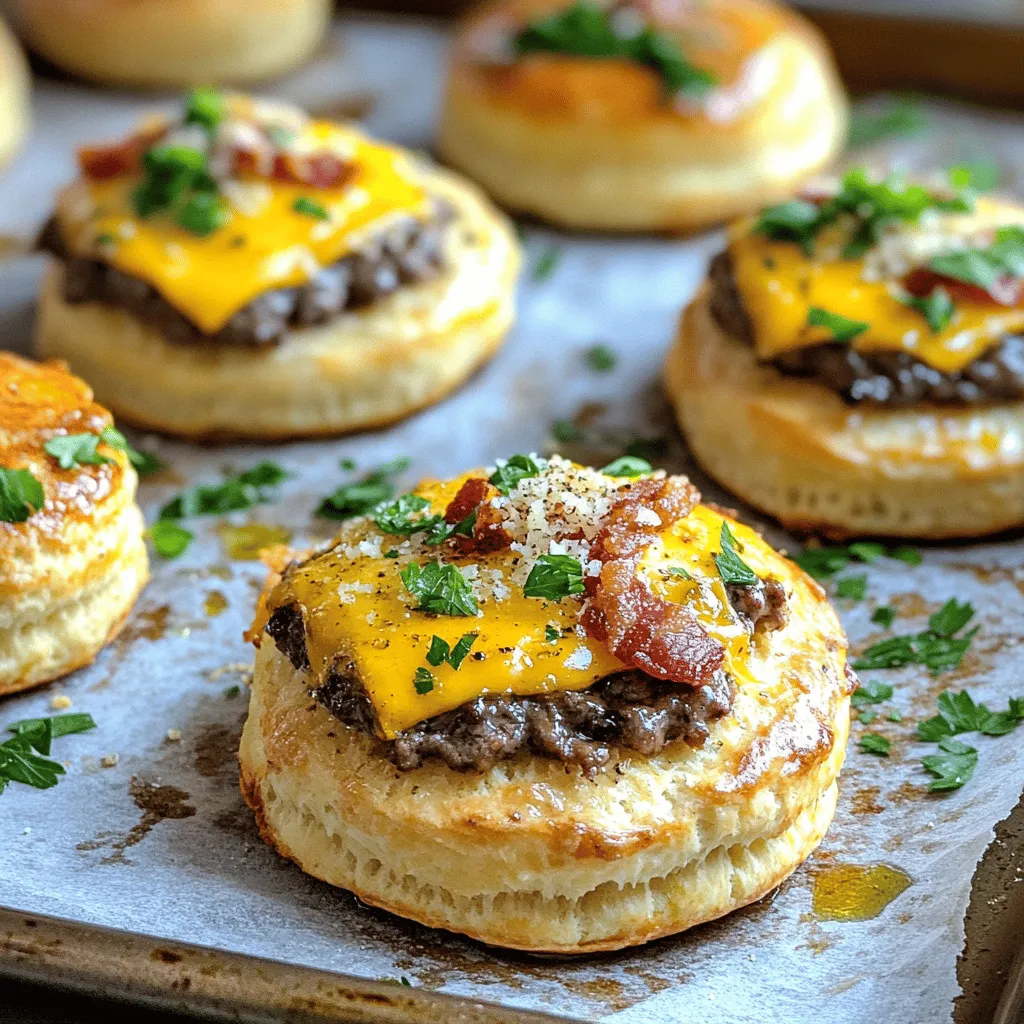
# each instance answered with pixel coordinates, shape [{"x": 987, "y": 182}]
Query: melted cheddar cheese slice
[
  {"x": 779, "y": 284},
  {"x": 359, "y": 615},
  {"x": 266, "y": 243}
]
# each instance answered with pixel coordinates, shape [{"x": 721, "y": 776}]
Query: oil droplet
[
  {"x": 214, "y": 604},
  {"x": 856, "y": 892},
  {"x": 244, "y": 543}
]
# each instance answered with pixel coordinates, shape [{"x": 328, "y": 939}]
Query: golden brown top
[
  {"x": 39, "y": 401},
  {"x": 731, "y": 39}
]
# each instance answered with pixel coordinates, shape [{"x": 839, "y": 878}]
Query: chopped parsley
[
  {"x": 824, "y": 562},
  {"x": 959, "y": 713},
  {"x": 509, "y": 472},
  {"x": 588, "y": 29},
  {"x": 842, "y": 328},
  {"x": 205, "y": 107},
  {"x": 977, "y": 175},
  {"x": 899, "y": 118},
  {"x": 74, "y": 450},
  {"x": 867, "y": 717},
  {"x": 936, "y": 307},
  {"x": 423, "y": 680},
  {"x": 866, "y": 204},
  {"x": 985, "y": 268},
  {"x": 884, "y": 616},
  {"x": 939, "y": 647},
  {"x": 403, "y": 516},
  {"x": 547, "y": 263},
  {"x": 872, "y": 743},
  {"x": 601, "y": 358},
  {"x": 678, "y": 570},
  {"x": 176, "y": 181},
  {"x": 310, "y": 208},
  {"x": 628, "y": 466},
  {"x": 439, "y": 588},
  {"x": 953, "y": 767},
  {"x": 250, "y": 488},
  {"x": 362, "y": 496},
  {"x": 870, "y": 693},
  {"x": 169, "y": 539},
  {"x": 21, "y": 495},
  {"x": 554, "y": 577},
  {"x": 24, "y": 757},
  {"x": 853, "y": 588},
  {"x": 440, "y": 652},
  {"x": 552, "y": 634},
  {"x": 733, "y": 570}
]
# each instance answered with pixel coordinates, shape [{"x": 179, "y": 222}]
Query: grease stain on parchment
[
  {"x": 157, "y": 802},
  {"x": 856, "y": 892}
]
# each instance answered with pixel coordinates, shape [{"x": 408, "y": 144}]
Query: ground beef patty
[
  {"x": 628, "y": 709},
  {"x": 410, "y": 251},
  {"x": 883, "y": 378}
]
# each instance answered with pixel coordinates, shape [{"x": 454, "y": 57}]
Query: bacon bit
[
  {"x": 318, "y": 170},
  {"x": 117, "y": 158},
  {"x": 1008, "y": 291},
  {"x": 643, "y": 630},
  {"x": 488, "y": 533},
  {"x": 470, "y": 494}
]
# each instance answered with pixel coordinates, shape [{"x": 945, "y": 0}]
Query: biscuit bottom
[
  {"x": 529, "y": 856},
  {"x": 42, "y": 639},
  {"x": 363, "y": 368},
  {"x": 795, "y": 449}
]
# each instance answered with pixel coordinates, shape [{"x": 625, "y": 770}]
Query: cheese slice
[
  {"x": 358, "y": 614},
  {"x": 779, "y": 284},
  {"x": 266, "y": 243}
]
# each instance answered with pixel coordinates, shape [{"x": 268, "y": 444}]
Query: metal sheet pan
[{"x": 160, "y": 847}]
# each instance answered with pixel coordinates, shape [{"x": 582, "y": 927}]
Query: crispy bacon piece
[
  {"x": 643, "y": 630},
  {"x": 111, "y": 160},
  {"x": 488, "y": 533},
  {"x": 317, "y": 170},
  {"x": 1007, "y": 291}
]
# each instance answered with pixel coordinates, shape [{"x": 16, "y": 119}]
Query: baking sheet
[{"x": 161, "y": 845}]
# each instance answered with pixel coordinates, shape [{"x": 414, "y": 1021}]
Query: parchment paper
[{"x": 161, "y": 843}]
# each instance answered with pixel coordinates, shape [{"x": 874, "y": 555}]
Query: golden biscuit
[
  {"x": 72, "y": 564},
  {"x": 533, "y": 786}
]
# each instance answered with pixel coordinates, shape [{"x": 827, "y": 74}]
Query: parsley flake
[
  {"x": 310, "y": 208},
  {"x": 872, "y": 743},
  {"x": 936, "y": 307},
  {"x": 362, "y": 496},
  {"x": 24, "y": 757},
  {"x": 977, "y": 175},
  {"x": 884, "y": 616},
  {"x": 423, "y": 680},
  {"x": 870, "y": 693},
  {"x": 250, "y": 488},
  {"x": 547, "y": 263},
  {"x": 402, "y": 517},
  {"x": 439, "y": 588},
  {"x": 21, "y": 495},
  {"x": 601, "y": 358},
  {"x": 953, "y": 767},
  {"x": 959, "y": 713},
  {"x": 440, "y": 652},
  {"x": 554, "y": 577},
  {"x": 628, "y": 466},
  {"x": 852, "y": 588},
  {"x": 939, "y": 647},
  {"x": 842, "y": 328},
  {"x": 985, "y": 268},
  {"x": 169, "y": 539},
  {"x": 509, "y": 472},
  {"x": 733, "y": 570},
  {"x": 552, "y": 634}
]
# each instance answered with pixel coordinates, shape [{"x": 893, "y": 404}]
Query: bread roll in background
[{"x": 179, "y": 43}]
